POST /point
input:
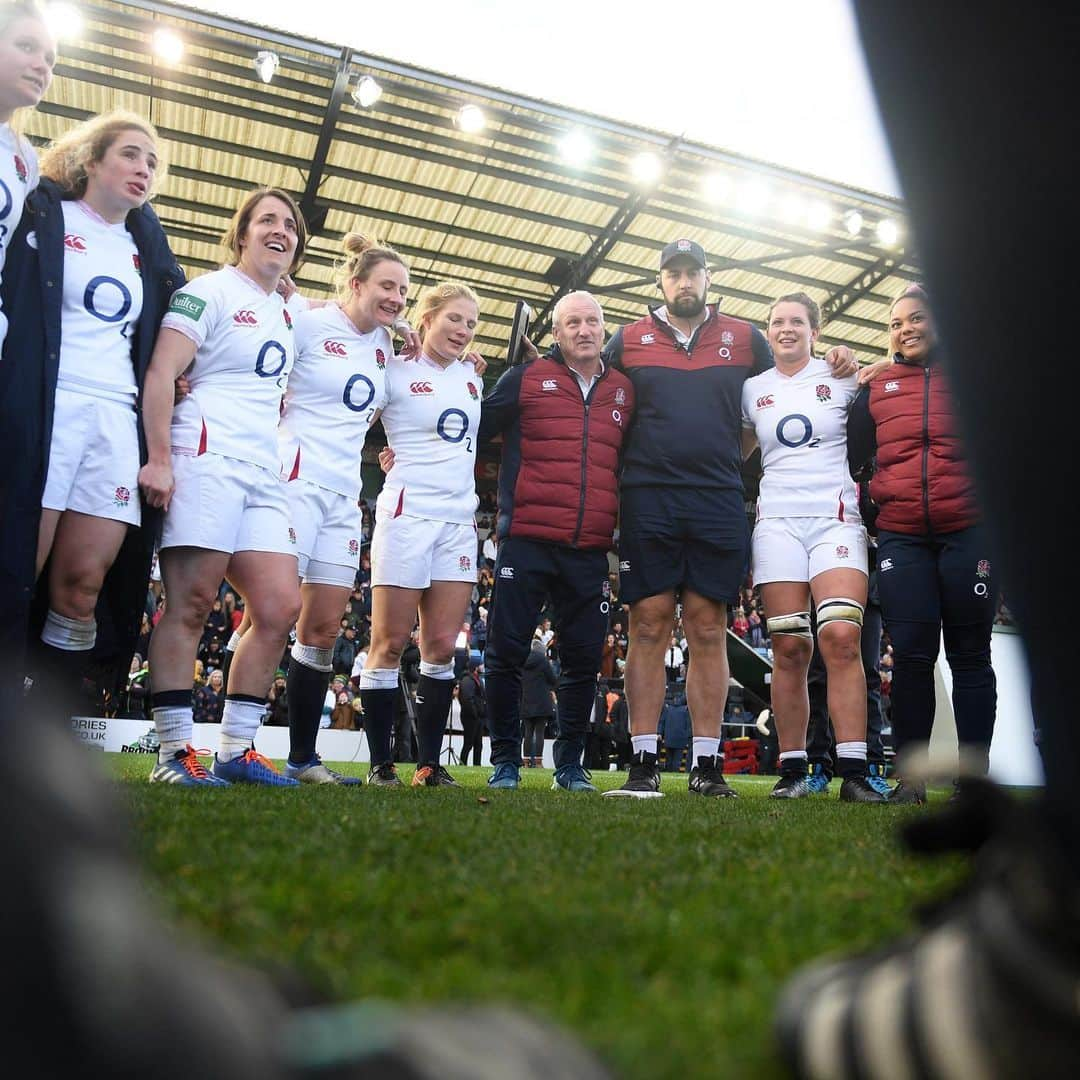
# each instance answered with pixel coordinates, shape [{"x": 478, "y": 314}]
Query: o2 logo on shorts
[
  {"x": 453, "y": 426},
  {"x": 122, "y": 497}
]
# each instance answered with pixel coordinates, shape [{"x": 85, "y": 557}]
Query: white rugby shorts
[
  {"x": 799, "y": 549},
  {"x": 327, "y": 526},
  {"x": 93, "y": 458},
  {"x": 222, "y": 504},
  {"x": 413, "y": 552}
]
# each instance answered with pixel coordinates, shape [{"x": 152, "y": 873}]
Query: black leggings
[{"x": 930, "y": 587}]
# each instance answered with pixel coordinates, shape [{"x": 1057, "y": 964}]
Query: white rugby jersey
[
  {"x": 337, "y": 385},
  {"x": 431, "y": 418},
  {"x": 102, "y": 301},
  {"x": 244, "y": 353},
  {"x": 18, "y": 177},
  {"x": 801, "y": 426}
]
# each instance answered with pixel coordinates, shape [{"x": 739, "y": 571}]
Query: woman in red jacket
[{"x": 935, "y": 573}]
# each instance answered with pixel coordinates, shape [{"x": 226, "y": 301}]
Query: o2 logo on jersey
[
  {"x": 334, "y": 348},
  {"x": 421, "y": 388},
  {"x": 796, "y": 430},
  {"x": 96, "y": 302},
  {"x": 265, "y": 363},
  {"x": 453, "y": 426},
  {"x": 351, "y": 396}
]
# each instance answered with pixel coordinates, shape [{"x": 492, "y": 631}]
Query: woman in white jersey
[
  {"x": 89, "y": 274},
  {"x": 336, "y": 390},
  {"x": 213, "y": 465},
  {"x": 423, "y": 553},
  {"x": 27, "y": 57},
  {"x": 809, "y": 544}
]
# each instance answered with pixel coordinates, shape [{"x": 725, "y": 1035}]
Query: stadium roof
[{"x": 499, "y": 208}]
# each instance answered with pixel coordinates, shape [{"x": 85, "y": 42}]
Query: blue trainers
[
  {"x": 875, "y": 777},
  {"x": 251, "y": 767},
  {"x": 185, "y": 768},
  {"x": 818, "y": 780},
  {"x": 315, "y": 772},
  {"x": 506, "y": 775},
  {"x": 572, "y": 778}
]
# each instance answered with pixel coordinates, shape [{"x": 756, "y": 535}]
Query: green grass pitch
[{"x": 659, "y": 931}]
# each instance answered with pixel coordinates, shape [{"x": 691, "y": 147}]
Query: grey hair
[{"x": 556, "y": 311}]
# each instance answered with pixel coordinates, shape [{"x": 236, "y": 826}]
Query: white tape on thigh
[
  {"x": 797, "y": 624},
  {"x": 839, "y": 609}
]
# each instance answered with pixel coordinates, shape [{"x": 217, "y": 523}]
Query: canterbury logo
[
  {"x": 245, "y": 318},
  {"x": 765, "y": 402},
  {"x": 421, "y": 388},
  {"x": 74, "y": 243},
  {"x": 334, "y": 348}
]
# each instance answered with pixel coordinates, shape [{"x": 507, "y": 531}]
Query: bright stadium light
[
  {"x": 853, "y": 222},
  {"x": 266, "y": 64},
  {"x": 168, "y": 46},
  {"x": 715, "y": 187},
  {"x": 753, "y": 197},
  {"x": 366, "y": 92},
  {"x": 819, "y": 216},
  {"x": 471, "y": 119},
  {"x": 646, "y": 167},
  {"x": 575, "y": 147},
  {"x": 64, "y": 20},
  {"x": 792, "y": 209},
  {"x": 888, "y": 232}
]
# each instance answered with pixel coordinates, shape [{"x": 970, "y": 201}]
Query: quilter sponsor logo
[
  {"x": 421, "y": 388},
  {"x": 335, "y": 348},
  {"x": 73, "y": 242},
  {"x": 245, "y": 318},
  {"x": 190, "y": 306}
]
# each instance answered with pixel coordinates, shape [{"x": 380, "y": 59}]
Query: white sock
[
  {"x": 312, "y": 657},
  {"x": 239, "y": 722},
  {"x": 442, "y": 672},
  {"x": 855, "y": 750},
  {"x": 71, "y": 635},
  {"x": 644, "y": 742},
  {"x": 705, "y": 747},
  {"x": 790, "y": 756},
  {"x": 173, "y": 726},
  {"x": 379, "y": 679}
]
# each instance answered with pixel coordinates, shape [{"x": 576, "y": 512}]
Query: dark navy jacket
[{"x": 32, "y": 297}]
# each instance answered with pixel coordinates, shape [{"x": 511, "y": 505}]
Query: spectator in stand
[
  {"x": 472, "y": 698},
  {"x": 345, "y": 649},
  {"x": 611, "y": 658},
  {"x": 756, "y": 633},
  {"x": 215, "y": 625},
  {"x": 673, "y": 661},
  {"x": 277, "y": 700},
  {"x": 935, "y": 574},
  {"x": 538, "y": 682},
  {"x": 674, "y": 732},
  {"x": 488, "y": 551},
  {"x": 479, "y": 629},
  {"x": 209, "y": 700},
  {"x": 343, "y": 715},
  {"x": 212, "y": 655},
  {"x": 138, "y": 689},
  {"x": 619, "y": 719},
  {"x": 142, "y": 645},
  {"x": 740, "y": 625}
]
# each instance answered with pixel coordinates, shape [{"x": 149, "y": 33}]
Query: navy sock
[
  {"x": 433, "y": 697},
  {"x": 379, "y": 708},
  {"x": 306, "y": 690}
]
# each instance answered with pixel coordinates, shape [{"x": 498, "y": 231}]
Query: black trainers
[
  {"x": 791, "y": 786},
  {"x": 860, "y": 789},
  {"x": 986, "y": 987},
  {"x": 707, "y": 778},
  {"x": 643, "y": 781},
  {"x": 384, "y": 775},
  {"x": 908, "y": 794}
]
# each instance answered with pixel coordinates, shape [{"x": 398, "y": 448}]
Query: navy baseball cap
[{"x": 683, "y": 249}]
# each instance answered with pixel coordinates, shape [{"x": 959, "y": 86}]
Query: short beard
[{"x": 688, "y": 308}]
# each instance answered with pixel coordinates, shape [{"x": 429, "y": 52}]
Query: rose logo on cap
[{"x": 683, "y": 248}]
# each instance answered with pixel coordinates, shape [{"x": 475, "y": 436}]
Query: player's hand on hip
[
  {"x": 842, "y": 361},
  {"x": 157, "y": 484},
  {"x": 386, "y": 459},
  {"x": 181, "y": 389}
]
